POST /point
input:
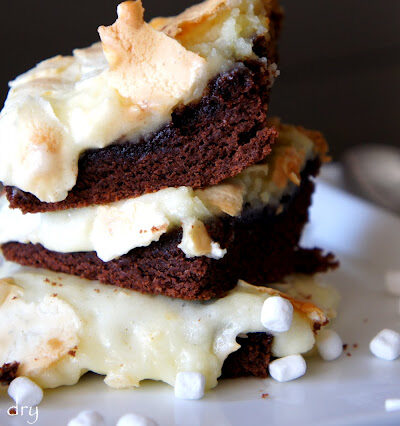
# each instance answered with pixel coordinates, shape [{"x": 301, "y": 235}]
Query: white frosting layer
[
  {"x": 110, "y": 230},
  {"x": 114, "y": 229},
  {"x": 66, "y": 105},
  {"x": 59, "y": 326}
]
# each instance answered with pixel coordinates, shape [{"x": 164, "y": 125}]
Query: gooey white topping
[{"x": 147, "y": 337}]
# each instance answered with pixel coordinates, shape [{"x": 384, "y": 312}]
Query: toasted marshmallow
[
  {"x": 25, "y": 392},
  {"x": 189, "y": 385},
  {"x": 329, "y": 344},
  {"x": 197, "y": 242},
  {"x": 386, "y": 345},
  {"x": 133, "y": 419},
  {"x": 392, "y": 282},
  {"x": 392, "y": 404},
  {"x": 288, "y": 368},
  {"x": 277, "y": 314},
  {"x": 87, "y": 418}
]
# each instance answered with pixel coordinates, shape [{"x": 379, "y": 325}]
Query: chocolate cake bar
[
  {"x": 205, "y": 143},
  {"x": 192, "y": 121},
  {"x": 262, "y": 248}
]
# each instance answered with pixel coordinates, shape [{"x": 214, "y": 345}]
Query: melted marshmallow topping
[
  {"x": 118, "y": 90},
  {"x": 58, "y": 327},
  {"x": 114, "y": 229}
]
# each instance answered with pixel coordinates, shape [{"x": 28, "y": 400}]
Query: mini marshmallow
[
  {"x": 277, "y": 314},
  {"x": 189, "y": 385},
  {"x": 329, "y": 344},
  {"x": 25, "y": 392},
  {"x": 386, "y": 345},
  {"x": 87, "y": 418},
  {"x": 135, "y": 420},
  {"x": 392, "y": 282},
  {"x": 287, "y": 368},
  {"x": 392, "y": 404}
]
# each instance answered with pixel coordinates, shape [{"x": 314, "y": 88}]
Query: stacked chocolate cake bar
[{"x": 145, "y": 179}]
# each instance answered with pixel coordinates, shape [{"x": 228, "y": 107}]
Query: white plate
[{"x": 351, "y": 390}]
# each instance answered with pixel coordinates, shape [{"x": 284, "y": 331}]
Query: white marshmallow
[
  {"x": 135, "y": 420},
  {"x": 277, "y": 314},
  {"x": 392, "y": 282},
  {"x": 392, "y": 404},
  {"x": 87, "y": 418},
  {"x": 189, "y": 385},
  {"x": 287, "y": 368},
  {"x": 25, "y": 392},
  {"x": 329, "y": 344},
  {"x": 386, "y": 345}
]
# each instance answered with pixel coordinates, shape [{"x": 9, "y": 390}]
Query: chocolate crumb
[
  {"x": 12, "y": 411},
  {"x": 264, "y": 395},
  {"x": 355, "y": 345},
  {"x": 8, "y": 372},
  {"x": 72, "y": 353},
  {"x": 348, "y": 354},
  {"x": 345, "y": 346}
]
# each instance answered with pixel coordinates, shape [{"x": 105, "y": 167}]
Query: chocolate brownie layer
[
  {"x": 204, "y": 143},
  {"x": 252, "y": 359},
  {"x": 262, "y": 248}
]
